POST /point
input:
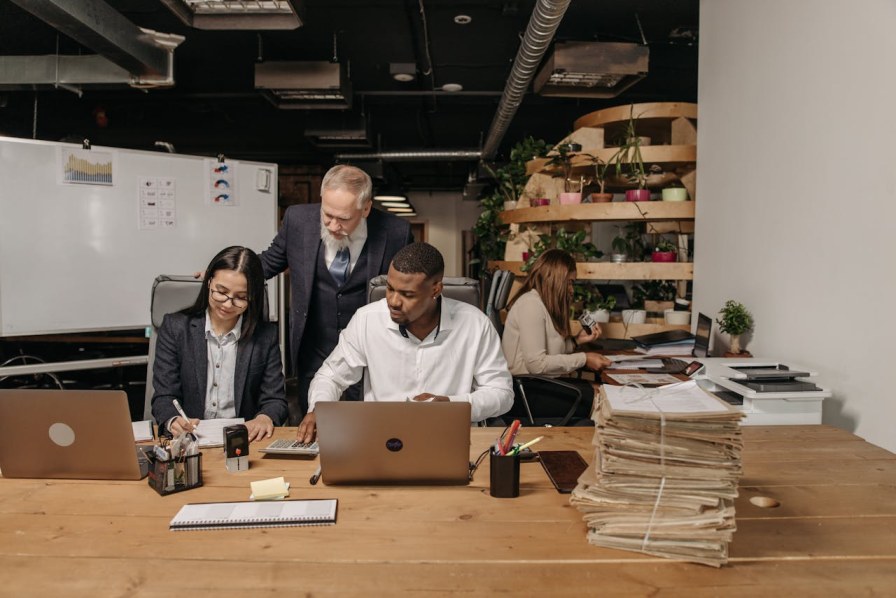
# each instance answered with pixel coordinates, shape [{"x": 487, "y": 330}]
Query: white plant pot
[
  {"x": 601, "y": 315},
  {"x": 633, "y": 316},
  {"x": 677, "y": 318}
]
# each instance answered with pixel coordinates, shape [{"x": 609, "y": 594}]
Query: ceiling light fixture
[
  {"x": 404, "y": 214},
  {"x": 295, "y": 84},
  {"x": 403, "y": 71},
  {"x": 463, "y": 19},
  {"x": 237, "y": 14},
  {"x": 452, "y": 87},
  {"x": 395, "y": 204},
  {"x": 591, "y": 69},
  {"x": 405, "y": 210},
  {"x": 385, "y": 198}
]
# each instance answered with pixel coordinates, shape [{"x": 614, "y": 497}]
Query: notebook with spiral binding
[{"x": 236, "y": 515}]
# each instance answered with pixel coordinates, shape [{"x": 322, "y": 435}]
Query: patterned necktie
[{"x": 339, "y": 267}]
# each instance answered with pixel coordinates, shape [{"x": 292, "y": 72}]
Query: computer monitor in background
[{"x": 702, "y": 336}]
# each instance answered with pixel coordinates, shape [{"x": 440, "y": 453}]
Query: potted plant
[
  {"x": 600, "y": 178},
  {"x": 629, "y": 163},
  {"x": 603, "y": 308},
  {"x": 664, "y": 252},
  {"x": 537, "y": 196},
  {"x": 563, "y": 158},
  {"x": 627, "y": 244},
  {"x": 490, "y": 232},
  {"x": 654, "y": 295},
  {"x": 572, "y": 243},
  {"x": 675, "y": 193},
  {"x": 735, "y": 320}
]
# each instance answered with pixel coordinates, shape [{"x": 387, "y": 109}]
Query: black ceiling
[{"x": 214, "y": 107}]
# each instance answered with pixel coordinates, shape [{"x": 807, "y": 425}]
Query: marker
[
  {"x": 315, "y": 477},
  {"x": 181, "y": 411},
  {"x": 528, "y": 444}
]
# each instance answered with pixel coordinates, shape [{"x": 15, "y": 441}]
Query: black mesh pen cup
[{"x": 504, "y": 475}]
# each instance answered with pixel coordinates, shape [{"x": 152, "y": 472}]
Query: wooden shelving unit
[
  {"x": 613, "y": 271},
  {"x": 630, "y": 210}
]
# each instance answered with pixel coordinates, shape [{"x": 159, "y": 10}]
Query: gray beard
[{"x": 331, "y": 242}]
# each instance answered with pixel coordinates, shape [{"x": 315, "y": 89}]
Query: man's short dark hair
[{"x": 419, "y": 258}]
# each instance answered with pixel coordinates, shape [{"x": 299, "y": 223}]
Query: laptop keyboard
[{"x": 291, "y": 447}]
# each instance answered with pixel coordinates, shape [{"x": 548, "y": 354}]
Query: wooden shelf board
[
  {"x": 616, "y": 114},
  {"x": 620, "y": 330},
  {"x": 664, "y": 155},
  {"x": 628, "y": 210},
  {"x": 624, "y": 271}
]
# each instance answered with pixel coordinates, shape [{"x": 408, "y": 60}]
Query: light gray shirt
[{"x": 219, "y": 402}]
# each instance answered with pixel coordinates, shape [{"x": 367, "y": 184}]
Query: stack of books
[
  {"x": 665, "y": 473},
  {"x": 670, "y": 342}
]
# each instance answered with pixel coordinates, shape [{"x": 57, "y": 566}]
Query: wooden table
[{"x": 833, "y": 534}]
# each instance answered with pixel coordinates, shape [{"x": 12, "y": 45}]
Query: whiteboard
[{"x": 83, "y": 257}]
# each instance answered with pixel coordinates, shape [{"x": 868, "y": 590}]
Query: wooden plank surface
[
  {"x": 833, "y": 532},
  {"x": 613, "y": 271},
  {"x": 617, "y": 210}
]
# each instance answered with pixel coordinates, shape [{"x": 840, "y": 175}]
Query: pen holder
[
  {"x": 504, "y": 475},
  {"x": 175, "y": 475}
]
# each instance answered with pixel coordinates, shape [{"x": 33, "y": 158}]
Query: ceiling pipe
[
  {"x": 543, "y": 25},
  {"x": 412, "y": 156}
]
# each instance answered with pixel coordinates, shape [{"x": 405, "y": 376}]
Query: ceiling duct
[
  {"x": 237, "y": 14},
  {"x": 340, "y": 131},
  {"x": 304, "y": 85},
  {"x": 127, "y": 54},
  {"x": 591, "y": 69}
]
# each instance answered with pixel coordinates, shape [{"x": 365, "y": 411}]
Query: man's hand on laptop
[
  {"x": 428, "y": 396},
  {"x": 260, "y": 427},
  {"x": 307, "y": 429}
]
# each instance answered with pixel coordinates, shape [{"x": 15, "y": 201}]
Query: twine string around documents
[{"x": 648, "y": 395}]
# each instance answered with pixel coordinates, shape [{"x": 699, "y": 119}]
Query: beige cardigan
[{"x": 531, "y": 343}]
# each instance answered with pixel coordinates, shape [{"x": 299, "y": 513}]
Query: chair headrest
[
  {"x": 457, "y": 288},
  {"x": 171, "y": 293}
]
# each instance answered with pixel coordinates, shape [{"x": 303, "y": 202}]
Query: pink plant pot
[
  {"x": 567, "y": 199},
  {"x": 663, "y": 256},
  {"x": 637, "y": 195},
  {"x": 544, "y": 201},
  {"x": 525, "y": 256}
]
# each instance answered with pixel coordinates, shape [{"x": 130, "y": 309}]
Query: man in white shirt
[{"x": 416, "y": 345}]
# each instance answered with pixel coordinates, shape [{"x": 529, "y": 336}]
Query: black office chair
[
  {"x": 460, "y": 289},
  {"x": 537, "y": 400}
]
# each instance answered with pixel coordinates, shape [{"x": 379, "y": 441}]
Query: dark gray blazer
[
  {"x": 180, "y": 371},
  {"x": 296, "y": 246}
]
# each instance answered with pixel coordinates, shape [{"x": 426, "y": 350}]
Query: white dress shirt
[
  {"x": 355, "y": 246},
  {"x": 461, "y": 359}
]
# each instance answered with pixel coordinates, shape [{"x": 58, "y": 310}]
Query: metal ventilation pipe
[
  {"x": 542, "y": 26},
  {"x": 413, "y": 156}
]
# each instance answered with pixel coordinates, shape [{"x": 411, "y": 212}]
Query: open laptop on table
[
  {"x": 393, "y": 442},
  {"x": 75, "y": 434}
]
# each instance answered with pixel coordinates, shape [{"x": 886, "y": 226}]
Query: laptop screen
[{"x": 701, "y": 340}]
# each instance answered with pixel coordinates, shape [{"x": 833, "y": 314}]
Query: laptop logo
[
  {"x": 62, "y": 434},
  {"x": 394, "y": 445}
]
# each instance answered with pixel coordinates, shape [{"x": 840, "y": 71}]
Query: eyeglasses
[{"x": 237, "y": 302}]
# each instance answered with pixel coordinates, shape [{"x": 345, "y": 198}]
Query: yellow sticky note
[{"x": 267, "y": 489}]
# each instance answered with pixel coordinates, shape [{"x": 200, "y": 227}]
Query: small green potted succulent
[
  {"x": 563, "y": 158},
  {"x": 600, "y": 179},
  {"x": 735, "y": 321},
  {"x": 628, "y": 245}
]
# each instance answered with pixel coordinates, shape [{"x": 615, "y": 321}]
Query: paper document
[
  {"x": 210, "y": 432},
  {"x": 636, "y": 364},
  {"x": 683, "y": 397},
  {"x": 652, "y": 379},
  {"x": 142, "y": 430}
]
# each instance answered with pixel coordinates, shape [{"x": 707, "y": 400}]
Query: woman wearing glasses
[{"x": 219, "y": 358}]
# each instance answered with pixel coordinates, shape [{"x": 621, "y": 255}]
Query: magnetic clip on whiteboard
[
  {"x": 221, "y": 158},
  {"x": 85, "y": 144}
]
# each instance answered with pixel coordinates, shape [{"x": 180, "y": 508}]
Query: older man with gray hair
[{"x": 332, "y": 250}]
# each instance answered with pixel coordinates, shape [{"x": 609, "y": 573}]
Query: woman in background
[
  {"x": 219, "y": 358},
  {"x": 537, "y": 338}
]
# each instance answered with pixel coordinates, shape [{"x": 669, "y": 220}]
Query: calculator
[{"x": 291, "y": 447}]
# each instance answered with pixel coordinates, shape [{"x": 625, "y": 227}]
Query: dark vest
[{"x": 330, "y": 310}]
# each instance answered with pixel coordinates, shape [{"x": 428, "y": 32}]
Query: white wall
[
  {"x": 446, "y": 215},
  {"x": 796, "y": 209}
]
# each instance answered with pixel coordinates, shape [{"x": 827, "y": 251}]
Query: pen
[
  {"x": 511, "y": 435},
  {"x": 181, "y": 411},
  {"x": 527, "y": 445},
  {"x": 315, "y": 477}
]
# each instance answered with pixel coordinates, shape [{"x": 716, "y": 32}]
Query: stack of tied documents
[{"x": 665, "y": 473}]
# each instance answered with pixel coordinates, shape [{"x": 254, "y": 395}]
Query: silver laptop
[
  {"x": 77, "y": 434},
  {"x": 393, "y": 443}
]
